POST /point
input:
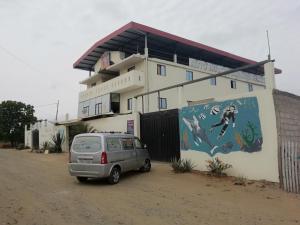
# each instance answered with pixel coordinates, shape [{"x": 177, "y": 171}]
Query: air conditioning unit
[{"x": 107, "y": 59}]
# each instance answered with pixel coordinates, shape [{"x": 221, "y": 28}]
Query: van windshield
[{"x": 87, "y": 144}]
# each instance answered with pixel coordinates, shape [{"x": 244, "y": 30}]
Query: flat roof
[{"x": 130, "y": 39}]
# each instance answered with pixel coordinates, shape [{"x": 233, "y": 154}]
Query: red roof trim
[
  {"x": 102, "y": 41},
  {"x": 137, "y": 26},
  {"x": 189, "y": 42}
]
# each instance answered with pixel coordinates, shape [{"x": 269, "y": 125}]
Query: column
[
  {"x": 181, "y": 97},
  {"x": 134, "y": 105},
  {"x": 269, "y": 75},
  {"x": 175, "y": 58}
]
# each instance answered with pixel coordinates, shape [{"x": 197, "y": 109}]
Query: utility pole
[
  {"x": 57, "y": 104},
  {"x": 269, "y": 55}
]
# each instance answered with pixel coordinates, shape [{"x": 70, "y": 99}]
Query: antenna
[{"x": 269, "y": 55}]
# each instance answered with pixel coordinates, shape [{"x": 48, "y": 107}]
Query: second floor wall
[{"x": 152, "y": 74}]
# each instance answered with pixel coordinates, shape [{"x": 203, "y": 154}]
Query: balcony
[{"x": 125, "y": 82}]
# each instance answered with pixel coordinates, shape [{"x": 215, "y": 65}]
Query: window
[
  {"x": 113, "y": 144},
  {"x": 162, "y": 103},
  {"x": 98, "y": 109},
  {"x": 161, "y": 70},
  {"x": 213, "y": 81},
  {"x": 127, "y": 143},
  {"x": 250, "y": 87},
  {"x": 233, "y": 84},
  {"x": 189, "y": 75},
  {"x": 129, "y": 104},
  {"x": 85, "y": 110},
  {"x": 87, "y": 144},
  {"x": 137, "y": 143},
  {"x": 131, "y": 68}
]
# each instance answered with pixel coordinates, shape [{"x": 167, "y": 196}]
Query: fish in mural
[
  {"x": 198, "y": 133},
  {"x": 215, "y": 110},
  {"x": 229, "y": 114},
  {"x": 225, "y": 148},
  {"x": 239, "y": 102},
  {"x": 202, "y": 116}
]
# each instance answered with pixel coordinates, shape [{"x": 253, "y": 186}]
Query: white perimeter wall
[
  {"x": 46, "y": 132},
  {"x": 256, "y": 165}
]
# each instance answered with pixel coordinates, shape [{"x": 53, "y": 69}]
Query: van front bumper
[{"x": 89, "y": 170}]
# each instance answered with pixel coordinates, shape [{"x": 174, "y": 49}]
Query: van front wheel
[{"x": 114, "y": 176}]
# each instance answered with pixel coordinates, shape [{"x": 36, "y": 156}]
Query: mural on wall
[{"x": 221, "y": 127}]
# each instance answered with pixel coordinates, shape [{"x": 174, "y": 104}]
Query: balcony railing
[{"x": 125, "y": 82}]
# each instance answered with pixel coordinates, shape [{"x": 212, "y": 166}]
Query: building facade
[{"x": 137, "y": 59}]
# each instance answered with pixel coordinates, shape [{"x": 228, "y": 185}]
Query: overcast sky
[{"x": 41, "y": 39}]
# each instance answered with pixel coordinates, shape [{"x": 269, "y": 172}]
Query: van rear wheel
[
  {"x": 82, "y": 179},
  {"x": 147, "y": 166},
  {"x": 114, "y": 176}
]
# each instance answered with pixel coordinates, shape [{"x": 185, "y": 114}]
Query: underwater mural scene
[{"x": 221, "y": 127}]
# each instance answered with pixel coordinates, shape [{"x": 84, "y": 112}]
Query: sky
[{"x": 41, "y": 39}]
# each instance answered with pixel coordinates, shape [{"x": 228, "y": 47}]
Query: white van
[{"x": 106, "y": 155}]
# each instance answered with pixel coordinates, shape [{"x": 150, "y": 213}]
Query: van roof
[{"x": 105, "y": 134}]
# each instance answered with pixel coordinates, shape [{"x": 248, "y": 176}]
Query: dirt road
[{"x": 36, "y": 189}]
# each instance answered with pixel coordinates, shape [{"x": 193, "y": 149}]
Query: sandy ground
[{"x": 36, "y": 189}]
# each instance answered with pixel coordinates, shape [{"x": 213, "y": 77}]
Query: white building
[
  {"x": 137, "y": 59},
  {"x": 162, "y": 88}
]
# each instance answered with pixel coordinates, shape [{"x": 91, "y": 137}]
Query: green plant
[
  {"x": 45, "y": 146},
  {"x": 58, "y": 140},
  {"x": 217, "y": 167},
  {"x": 182, "y": 165},
  {"x": 79, "y": 129},
  {"x": 240, "y": 181},
  {"x": 13, "y": 118}
]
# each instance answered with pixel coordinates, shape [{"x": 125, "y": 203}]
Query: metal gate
[
  {"x": 287, "y": 107},
  {"x": 160, "y": 132}
]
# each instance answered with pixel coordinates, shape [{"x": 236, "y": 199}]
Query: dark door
[
  {"x": 160, "y": 132},
  {"x": 35, "y": 139}
]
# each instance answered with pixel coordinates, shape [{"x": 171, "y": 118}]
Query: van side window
[
  {"x": 113, "y": 144},
  {"x": 137, "y": 143},
  {"x": 127, "y": 143}
]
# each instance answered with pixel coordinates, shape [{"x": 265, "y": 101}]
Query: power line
[
  {"x": 55, "y": 103},
  {"x": 19, "y": 59}
]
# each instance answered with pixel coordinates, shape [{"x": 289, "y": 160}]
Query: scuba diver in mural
[{"x": 229, "y": 114}]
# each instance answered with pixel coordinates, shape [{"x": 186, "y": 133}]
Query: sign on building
[{"x": 130, "y": 127}]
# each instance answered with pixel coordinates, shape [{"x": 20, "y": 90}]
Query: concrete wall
[
  {"x": 287, "y": 108},
  {"x": 258, "y": 165},
  {"x": 116, "y": 123},
  {"x": 46, "y": 132},
  {"x": 176, "y": 73}
]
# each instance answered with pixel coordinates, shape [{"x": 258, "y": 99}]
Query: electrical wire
[
  {"x": 46, "y": 105},
  {"x": 20, "y": 59}
]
